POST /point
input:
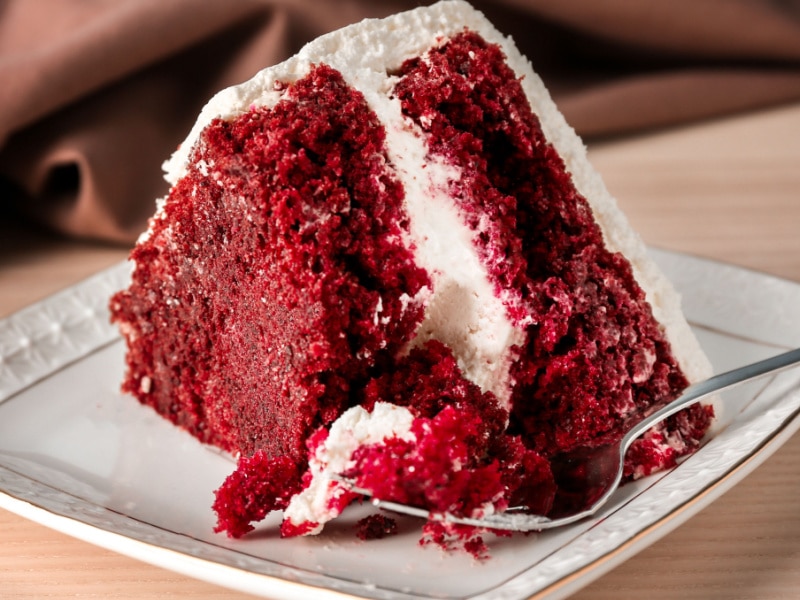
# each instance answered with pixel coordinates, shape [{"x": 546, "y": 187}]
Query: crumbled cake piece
[{"x": 375, "y": 527}]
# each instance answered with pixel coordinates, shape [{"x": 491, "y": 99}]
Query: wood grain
[{"x": 728, "y": 189}]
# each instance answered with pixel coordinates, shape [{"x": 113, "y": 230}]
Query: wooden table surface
[{"x": 727, "y": 189}]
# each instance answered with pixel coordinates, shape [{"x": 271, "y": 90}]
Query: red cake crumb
[
  {"x": 375, "y": 527},
  {"x": 289, "y": 529},
  {"x": 452, "y": 537},
  {"x": 259, "y": 486}
]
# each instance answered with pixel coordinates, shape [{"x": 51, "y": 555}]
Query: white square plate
[{"x": 78, "y": 456}]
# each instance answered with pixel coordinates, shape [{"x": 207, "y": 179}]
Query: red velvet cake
[{"x": 389, "y": 259}]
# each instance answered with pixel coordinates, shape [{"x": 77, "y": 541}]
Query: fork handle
[{"x": 717, "y": 383}]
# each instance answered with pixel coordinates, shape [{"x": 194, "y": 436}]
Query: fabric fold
[{"x": 95, "y": 95}]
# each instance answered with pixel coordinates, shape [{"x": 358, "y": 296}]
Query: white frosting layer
[
  {"x": 463, "y": 311},
  {"x": 355, "y": 428}
]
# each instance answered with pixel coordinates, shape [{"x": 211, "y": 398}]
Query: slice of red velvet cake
[{"x": 388, "y": 258}]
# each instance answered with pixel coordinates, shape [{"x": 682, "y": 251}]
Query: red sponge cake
[{"x": 388, "y": 258}]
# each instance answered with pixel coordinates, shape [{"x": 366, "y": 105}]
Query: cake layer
[{"x": 276, "y": 275}]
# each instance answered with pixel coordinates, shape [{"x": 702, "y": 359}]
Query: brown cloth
[{"x": 95, "y": 94}]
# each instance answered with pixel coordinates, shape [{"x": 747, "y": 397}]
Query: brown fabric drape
[{"x": 95, "y": 94}]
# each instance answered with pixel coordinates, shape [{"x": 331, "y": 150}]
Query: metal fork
[{"x": 593, "y": 473}]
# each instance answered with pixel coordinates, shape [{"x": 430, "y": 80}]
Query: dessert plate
[{"x": 79, "y": 457}]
